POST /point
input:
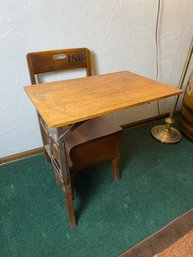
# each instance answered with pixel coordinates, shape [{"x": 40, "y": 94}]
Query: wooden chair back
[{"x": 58, "y": 60}]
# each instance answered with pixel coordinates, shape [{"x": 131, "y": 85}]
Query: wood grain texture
[{"x": 66, "y": 102}]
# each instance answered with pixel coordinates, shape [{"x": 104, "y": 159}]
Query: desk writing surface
[{"x": 70, "y": 101}]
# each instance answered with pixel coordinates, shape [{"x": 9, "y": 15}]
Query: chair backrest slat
[{"x": 58, "y": 60}]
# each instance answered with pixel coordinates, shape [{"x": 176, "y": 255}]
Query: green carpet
[{"x": 156, "y": 187}]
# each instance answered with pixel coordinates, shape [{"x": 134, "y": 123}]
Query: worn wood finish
[
  {"x": 92, "y": 142},
  {"x": 63, "y": 102}
]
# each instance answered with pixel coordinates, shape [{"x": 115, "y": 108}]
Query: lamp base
[{"x": 166, "y": 133}]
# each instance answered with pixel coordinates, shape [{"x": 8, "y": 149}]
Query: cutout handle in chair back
[{"x": 57, "y": 60}]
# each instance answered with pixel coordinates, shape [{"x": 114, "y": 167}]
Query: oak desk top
[{"x": 70, "y": 101}]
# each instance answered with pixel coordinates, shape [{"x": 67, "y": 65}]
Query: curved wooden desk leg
[
  {"x": 116, "y": 162},
  {"x": 69, "y": 205},
  {"x": 44, "y": 141},
  {"x": 66, "y": 178},
  {"x": 116, "y": 169}
]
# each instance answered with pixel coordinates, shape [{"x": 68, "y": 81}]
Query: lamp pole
[{"x": 166, "y": 133}]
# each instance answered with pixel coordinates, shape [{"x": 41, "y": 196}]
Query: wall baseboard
[
  {"x": 140, "y": 122},
  {"x": 35, "y": 151},
  {"x": 21, "y": 155}
]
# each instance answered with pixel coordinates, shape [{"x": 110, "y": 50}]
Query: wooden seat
[{"x": 91, "y": 142}]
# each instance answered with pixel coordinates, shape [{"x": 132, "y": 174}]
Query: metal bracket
[
  {"x": 71, "y": 128},
  {"x": 61, "y": 145}
]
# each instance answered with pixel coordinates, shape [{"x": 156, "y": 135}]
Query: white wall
[{"x": 120, "y": 33}]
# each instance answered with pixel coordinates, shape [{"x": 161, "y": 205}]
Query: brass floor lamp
[{"x": 166, "y": 133}]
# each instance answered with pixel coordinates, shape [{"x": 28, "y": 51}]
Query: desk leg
[
  {"x": 63, "y": 169},
  {"x": 69, "y": 205},
  {"x": 116, "y": 161},
  {"x": 44, "y": 138},
  {"x": 66, "y": 178}
]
